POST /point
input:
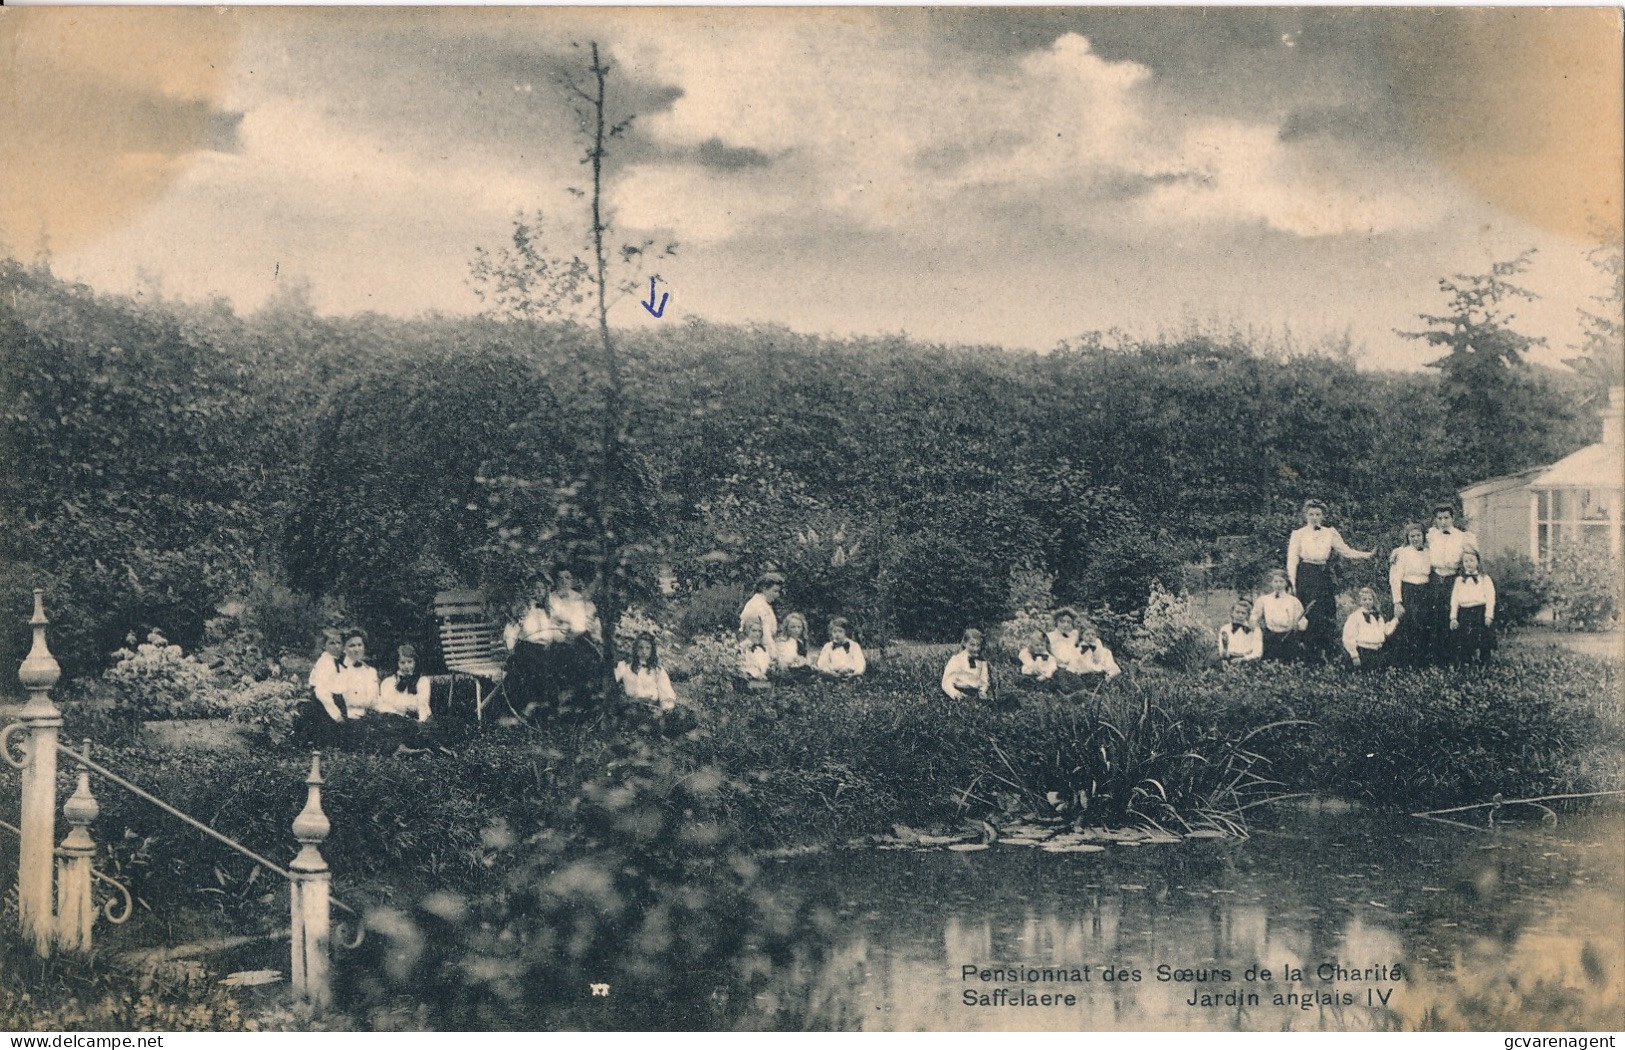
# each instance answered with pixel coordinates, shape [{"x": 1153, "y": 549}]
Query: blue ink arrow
[{"x": 650, "y": 305}]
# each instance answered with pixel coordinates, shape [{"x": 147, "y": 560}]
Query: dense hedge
[{"x": 166, "y": 456}]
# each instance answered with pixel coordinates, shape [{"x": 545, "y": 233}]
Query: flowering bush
[
  {"x": 635, "y": 621},
  {"x": 714, "y": 657},
  {"x": 1170, "y": 633},
  {"x": 158, "y": 680},
  {"x": 1017, "y": 631},
  {"x": 268, "y": 705}
]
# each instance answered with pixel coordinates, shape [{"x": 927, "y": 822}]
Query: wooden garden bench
[{"x": 470, "y": 643}]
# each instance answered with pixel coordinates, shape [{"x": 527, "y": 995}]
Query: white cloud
[{"x": 875, "y": 133}]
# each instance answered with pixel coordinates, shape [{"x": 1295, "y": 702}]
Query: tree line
[{"x": 165, "y": 455}]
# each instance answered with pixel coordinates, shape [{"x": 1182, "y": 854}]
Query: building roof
[
  {"x": 1595, "y": 466},
  {"x": 1500, "y": 484}
]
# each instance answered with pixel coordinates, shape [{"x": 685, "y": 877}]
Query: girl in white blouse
[
  {"x": 643, "y": 679},
  {"x": 841, "y": 657},
  {"x": 357, "y": 681},
  {"x": 1472, "y": 611},
  {"x": 790, "y": 648},
  {"x": 966, "y": 675},
  {"x": 406, "y": 692}
]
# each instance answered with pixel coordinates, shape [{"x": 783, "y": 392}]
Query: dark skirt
[
  {"x": 1412, "y": 642},
  {"x": 1441, "y": 639},
  {"x": 526, "y": 680},
  {"x": 1475, "y": 640},
  {"x": 1372, "y": 659},
  {"x": 1314, "y": 588},
  {"x": 1280, "y": 645},
  {"x": 315, "y": 729}
]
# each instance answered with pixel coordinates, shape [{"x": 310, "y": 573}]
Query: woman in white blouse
[{"x": 790, "y": 647}]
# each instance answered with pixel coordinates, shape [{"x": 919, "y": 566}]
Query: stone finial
[
  {"x": 311, "y": 826},
  {"x": 39, "y": 671}
]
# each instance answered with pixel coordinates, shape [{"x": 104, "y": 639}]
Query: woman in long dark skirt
[
  {"x": 1308, "y": 558},
  {"x": 1409, "y": 572}
]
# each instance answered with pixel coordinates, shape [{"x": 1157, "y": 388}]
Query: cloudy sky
[{"x": 1007, "y": 176}]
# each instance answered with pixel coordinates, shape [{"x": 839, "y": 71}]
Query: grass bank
[{"x": 825, "y": 763}]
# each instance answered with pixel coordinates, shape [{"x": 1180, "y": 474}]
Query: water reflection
[{"x": 1521, "y": 929}]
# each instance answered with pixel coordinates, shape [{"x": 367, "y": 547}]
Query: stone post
[
  {"x": 75, "y": 913},
  {"x": 310, "y": 890},
  {"x": 40, "y": 721}
]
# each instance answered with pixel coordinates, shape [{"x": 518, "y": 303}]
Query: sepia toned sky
[{"x": 1012, "y": 176}]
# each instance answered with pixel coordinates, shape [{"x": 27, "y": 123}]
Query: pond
[{"x": 1326, "y": 919}]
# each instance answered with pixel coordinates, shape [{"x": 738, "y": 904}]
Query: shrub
[
  {"x": 710, "y": 658},
  {"x": 1520, "y": 589},
  {"x": 940, "y": 584},
  {"x": 714, "y": 609},
  {"x": 269, "y": 706},
  {"x": 1583, "y": 585},
  {"x": 157, "y": 680},
  {"x": 1032, "y": 588},
  {"x": 1170, "y": 633}
]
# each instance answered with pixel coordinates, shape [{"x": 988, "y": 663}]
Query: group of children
[
  {"x": 351, "y": 700},
  {"x": 769, "y": 650},
  {"x": 1443, "y": 614},
  {"x": 1443, "y": 602}
]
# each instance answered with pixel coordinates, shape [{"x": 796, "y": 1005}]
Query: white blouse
[
  {"x": 1364, "y": 630},
  {"x": 393, "y": 701},
  {"x": 1278, "y": 614},
  {"x": 1041, "y": 666},
  {"x": 1240, "y": 644},
  {"x": 790, "y": 652},
  {"x": 359, "y": 687},
  {"x": 847, "y": 660},
  {"x": 649, "y": 684},
  {"x": 1407, "y": 565},
  {"x": 1469, "y": 592},
  {"x": 959, "y": 674}
]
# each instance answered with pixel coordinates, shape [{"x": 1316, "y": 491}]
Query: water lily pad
[
  {"x": 968, "y": 847},
  {"x": 1205, "y": 833},
  {"x": 1073, "y": 847}
]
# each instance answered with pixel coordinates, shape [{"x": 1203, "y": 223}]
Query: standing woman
[
  {"x": 1445, "y": 546},
  {"x": 1308, "y": 554},
  {"x": 1409, "y": 574}
]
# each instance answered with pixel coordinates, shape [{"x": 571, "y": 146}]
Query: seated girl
[
  {"x": 1239, "y": 641},
  {"x": 841, "y": 657},
  {"x": 319, "y": 722},
  {"x": 357, "y": 682},
  {"x": 1365, "y": 633},
  {"x": 1063, "y": 641},
  {"x": 1038, "y": 664},
  {"x": 406, "y": 692},
  {"x": 574, "y": 667},
  {"x": 1093, "y": 656},
  {"x": 755, "y": 658},
  {"x": 966, "y": 675},
  {"x": 530, "y": 637},
  {"x": 641, "y": 677},
  {"x": 790, "y": 653}
]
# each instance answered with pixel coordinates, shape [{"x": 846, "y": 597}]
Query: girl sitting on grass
[
  {"x": 1472, "y": 611},
  {"x": 641, "y": 677},
  {"x": 1038, "y": 664},
  {"x": 1365, "y": 634},
  {"x": 1281, "y": 618},
  {"x": 406, "y": 692},
  {"x": 967, "y": 675},
  {"x": 790, "y": 652},
  {"x": 1239, "y": 641},
  {"x": 841, "y": 658}
]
